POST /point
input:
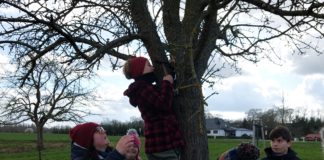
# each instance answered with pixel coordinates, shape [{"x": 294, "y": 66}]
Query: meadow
[{"x": 21, "y": 146}]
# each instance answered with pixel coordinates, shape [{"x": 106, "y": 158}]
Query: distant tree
[
  {"x": 315, "y": 124},
  {"x": 269, "y": 119},
  {"x": 284, "y": 114},
  {"x": 115, "y": 127},
  {"x": 52, "y": 93},
  {"x": 299, "y": 124},
  {"x": 60, "y": 129},
  {"x": 246, "y": 124},
  {"x": 209, "y": 115},
  {"x": 18, "y": 128},
  {"x": 254, "y": 114}
]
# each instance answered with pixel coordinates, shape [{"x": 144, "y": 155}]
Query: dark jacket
[
  {"x": 291, "y": 155},
  {"x": 79, "y": 153},
  {"x": 161, "y": 129}
]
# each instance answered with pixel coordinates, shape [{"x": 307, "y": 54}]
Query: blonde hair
[{"x": 127, "y": 69}]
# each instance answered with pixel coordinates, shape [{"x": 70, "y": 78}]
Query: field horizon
[{"x": 22, "y": 146}]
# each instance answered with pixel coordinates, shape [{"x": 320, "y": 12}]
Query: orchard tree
[
  {"x": 52, "y": 93},
  {"x": 192, "y": 38}
]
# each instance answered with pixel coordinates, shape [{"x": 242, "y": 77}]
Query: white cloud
[
  {"x": 119, "y": 110},
  {"x": 243, "y": 93},
  {"x": 262, "y": 86},
  {"x": 229, "y": 115},
  {"x": 3, "y": 58},
  {"x": 309, "y": 93},
  {"x": 308, "y": 64},
  {"x": 5, "y": 64},
  {"x": 112, "y": 104}
]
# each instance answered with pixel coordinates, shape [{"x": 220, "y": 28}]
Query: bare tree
[
  {"x": 52, "y": 93},
  {"x": 284, "y": 114},
  {"x": 191, "y": 37},
  {"x": 254, "y": 114}
]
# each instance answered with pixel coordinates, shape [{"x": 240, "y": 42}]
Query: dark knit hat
[
  {"x": 137, "y": 65},
  {"x": 244, "y": 151},
  {"x": 247, "y": 151},
  {"x": 82, "y": 134}
]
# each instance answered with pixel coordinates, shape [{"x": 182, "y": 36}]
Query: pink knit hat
[{"x": 136, "y": 141}]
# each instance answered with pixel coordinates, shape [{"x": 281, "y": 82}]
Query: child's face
[
  {"x": 148, "y": 68},
  {"x": 131, "y": 152},
  {"x": 100, "y": 140},
  {"x": 280, "y": 146}
]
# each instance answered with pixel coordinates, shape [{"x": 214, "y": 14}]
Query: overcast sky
[{"x": 299, "y": 78}]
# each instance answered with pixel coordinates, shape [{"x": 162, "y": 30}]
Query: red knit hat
[
  {"x": 82, "y": 134},
  {"x": 137, "y": 65}
]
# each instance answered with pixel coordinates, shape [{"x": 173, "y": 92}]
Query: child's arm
[
  {"x": 121, "y": 148},
  {"x": 114, "y": 155},
  {"x": 158, "y": 99}
]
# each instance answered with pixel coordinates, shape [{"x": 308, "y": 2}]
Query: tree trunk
[
  {"x": 190, "y": 113},
  {"x": 189, "y": 102},
  {"x": 40, "y": 140}
]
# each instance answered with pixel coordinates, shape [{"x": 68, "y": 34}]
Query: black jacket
[
  {"x": 291, "y": 155},
  {"x": 78, "y": 153}
]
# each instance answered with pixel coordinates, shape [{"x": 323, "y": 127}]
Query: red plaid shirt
[{"x": 161, "y": 129}]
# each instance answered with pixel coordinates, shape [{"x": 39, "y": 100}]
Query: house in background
[
  {"x": 239, "y": 132},
  {"x": 217, "y": 127}
]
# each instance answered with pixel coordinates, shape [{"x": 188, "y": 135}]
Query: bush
[{"x": 245, "y": 136}]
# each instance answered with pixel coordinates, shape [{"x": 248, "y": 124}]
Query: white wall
[
  {"x": 216, "y": 133},
  {"x": 239, "y": 133}
]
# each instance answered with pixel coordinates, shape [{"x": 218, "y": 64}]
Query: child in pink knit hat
[{"x": 137, "y": 142}]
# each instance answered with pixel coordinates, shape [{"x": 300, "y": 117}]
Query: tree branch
[
  {"x": 276, "y": 10},
  {"x": 150, "y": 37},
  {"x": 171, "y": 21}
]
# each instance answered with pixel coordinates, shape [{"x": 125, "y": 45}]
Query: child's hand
[
  {"x": 169, "y": 78},
  {"x": 124, "y": 143},
  {"x": 132, "y": 152}
]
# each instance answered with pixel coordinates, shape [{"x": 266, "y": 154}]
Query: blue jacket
[
  {"x": 291, "y": 155},
  {"x": 80, "y": 153}
]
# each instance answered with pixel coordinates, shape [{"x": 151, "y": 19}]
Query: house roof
[
  {"x": 242, "y": 129},
  {"x": 216, "y": 123}
]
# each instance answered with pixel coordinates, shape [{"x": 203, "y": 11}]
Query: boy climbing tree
[{"x": 163, "y": 139}]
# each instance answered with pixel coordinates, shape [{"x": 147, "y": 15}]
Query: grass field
[{"x": 21, "y": 146}]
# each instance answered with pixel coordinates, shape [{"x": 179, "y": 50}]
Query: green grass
[
  {"x": 305, "y": 150},
  {"x": 21, "y": 146}
]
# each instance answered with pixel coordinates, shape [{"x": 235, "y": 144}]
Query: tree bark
[
  {"x": 40, "y": 139},
  {"x": 190, "y": 113},
  {"x": 188, "y": 103}
]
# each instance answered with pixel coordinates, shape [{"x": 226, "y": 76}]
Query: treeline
[
  {"x": 297, "y": 121},
  {"x": 17, "y": 128},
  {"x": 31, "y": 128},
  {"x": 113, "y": 127}
]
